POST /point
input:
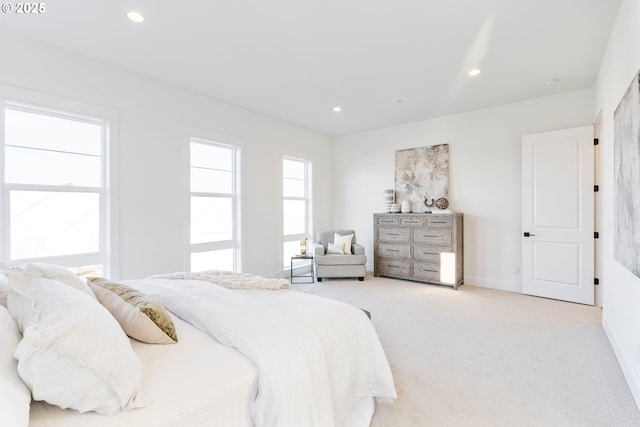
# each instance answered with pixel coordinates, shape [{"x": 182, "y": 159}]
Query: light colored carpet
[{"x": 481, "y": 357}]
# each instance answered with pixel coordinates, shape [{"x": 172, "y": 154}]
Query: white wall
[
  {"x": 484, "y": 176},
  {"x": 620, "y": 288},
  {"x": 154, "y": 118}
]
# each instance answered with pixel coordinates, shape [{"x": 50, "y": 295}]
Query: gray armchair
[{"x": 336, "y": 265}]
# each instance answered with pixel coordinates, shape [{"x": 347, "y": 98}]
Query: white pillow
[
  {"x": 344, "y": 240},
  {"x": 4, "y": 282},
  {"x": 15, "y": 397},
  {"x": 73, "y": 353},
  {"x": 4, "y": 289},
  {"x": 59, "y": 273},
  {"x": 335, "y": 248}
]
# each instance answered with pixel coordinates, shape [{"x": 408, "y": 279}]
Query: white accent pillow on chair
[
  {"x": 345, "y": 241},
  {"x": 335, "y": 248}
]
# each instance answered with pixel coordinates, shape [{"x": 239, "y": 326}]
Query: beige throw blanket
[{"x": 229, "y": 279}]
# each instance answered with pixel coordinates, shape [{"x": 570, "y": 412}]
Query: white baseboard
[
  {"x": 630, "y": 375},
  {"x": 483, "y": 282}
]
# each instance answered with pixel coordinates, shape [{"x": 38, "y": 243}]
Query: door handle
[{"x": 527, "y": 234}]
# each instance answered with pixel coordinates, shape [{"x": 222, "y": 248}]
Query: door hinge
[
  {"x": 596, "y": 281},
  {"x": 596, "y": 235},
  {"x": 596, "y": 141},
  {"x": 596, "y": 188}
]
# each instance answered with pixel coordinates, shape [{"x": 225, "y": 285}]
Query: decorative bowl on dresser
[{"x": 421, "y": 247}]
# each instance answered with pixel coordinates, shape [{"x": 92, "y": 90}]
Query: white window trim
[
  {"x": 236, "y": 243},
  {"x": 30, "y": 101},
  {"x": 308, "y": 198}
]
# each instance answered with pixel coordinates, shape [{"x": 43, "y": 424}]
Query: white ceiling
[{"x": 295, "y": 60}]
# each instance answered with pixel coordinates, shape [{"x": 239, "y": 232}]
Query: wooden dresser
[{"x": 422, "y": 247}]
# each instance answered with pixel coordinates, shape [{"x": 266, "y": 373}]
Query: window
[
  {"x": 54, "y": 192},
  {"x": 214, "y": 183},
  {"x": 296, "y": 205}
]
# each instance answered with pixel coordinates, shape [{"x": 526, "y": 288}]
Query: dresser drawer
[
  {"x": 429, "y": 253},
  {"x": 394, "y": 234},
  {"x": 388, "y": 220},
  {"x": 393, "y": 267},
  {"x": 433, "y": 236},
  {"x": 439, "y": 221},
  {"x": 393, "y": 251},
  {"x": 411, "y": 221},
  {"x": 427, "y": 271}
]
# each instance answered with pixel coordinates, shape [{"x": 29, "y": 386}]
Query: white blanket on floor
[
  {"x": 229, "y": 279},
  {"x": 310, "y": 374}
]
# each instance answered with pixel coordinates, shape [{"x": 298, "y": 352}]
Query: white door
[{"x": 558, "y": 215}]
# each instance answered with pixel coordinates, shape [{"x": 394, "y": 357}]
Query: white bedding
[
  {"x": 358, "y": 367},
  {"x": 197, "y": 382},
  {"x": 293, "y": 381},
  {"x": 288, "y": 360},
  {"x": 312, "y": 370}
]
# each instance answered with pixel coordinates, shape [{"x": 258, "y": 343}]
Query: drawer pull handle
[
  {"x": 393, "y": 234},
  {"x": 394, "y": 266},
  {"x": 393, "y": 250},
  {"x": 430, "y": 271}
]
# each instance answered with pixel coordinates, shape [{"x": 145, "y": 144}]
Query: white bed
[{"x": 288, "y": 359}]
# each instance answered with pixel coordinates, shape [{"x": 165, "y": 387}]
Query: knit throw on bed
[{"x": 229, "y": 279}]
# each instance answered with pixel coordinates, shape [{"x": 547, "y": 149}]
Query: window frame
[
  {"x": 235, "y": 243},
  {"x": 51, "y": 106},
  {"x": 307, "y": 198}
]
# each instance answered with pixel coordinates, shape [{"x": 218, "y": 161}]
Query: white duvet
[{"x": 316, "y": 357}]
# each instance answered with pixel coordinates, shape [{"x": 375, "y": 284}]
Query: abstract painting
[
  {"x": 626, "y": 150},
  {"x": 422, "y": 173}
]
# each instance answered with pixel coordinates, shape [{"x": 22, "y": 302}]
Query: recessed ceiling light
[
  {"x": 399, "y": 101},
  {"x": 135, "y": 16},
  {"x": 474, "y": 72},
  {"x": 337, "y": 109}
]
